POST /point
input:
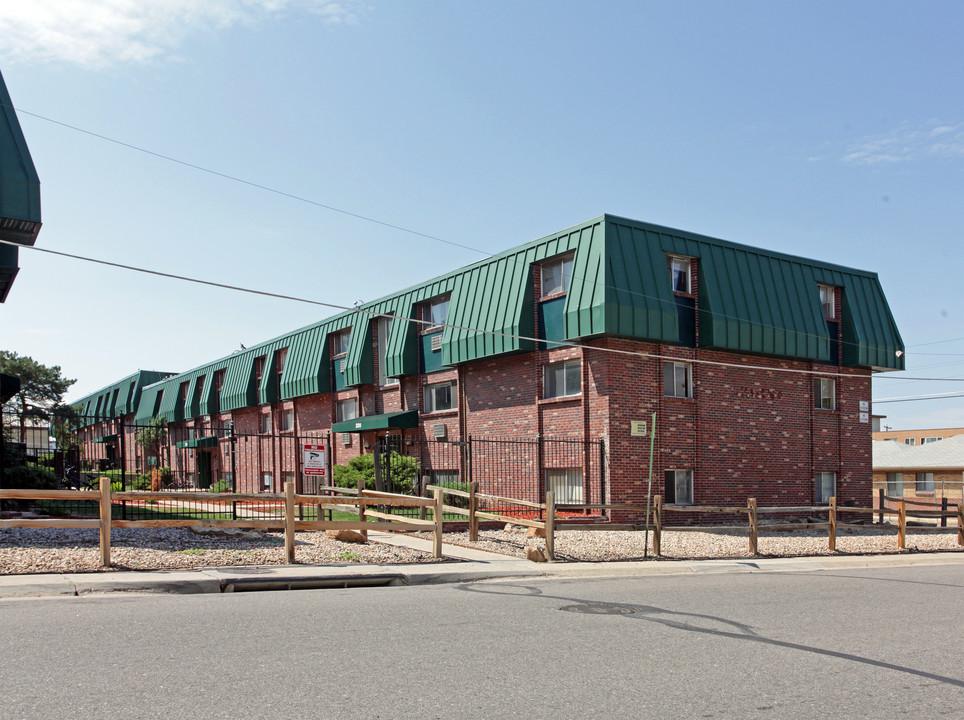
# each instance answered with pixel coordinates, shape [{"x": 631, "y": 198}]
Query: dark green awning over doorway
[
  {"x": 106, "y": 439},
  {"x": 404, "y": 419},
  {"x": 201, "y": 442}
]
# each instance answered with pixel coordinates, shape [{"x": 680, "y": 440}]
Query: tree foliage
[
  {"x": 402, "y": 470},
  {"x": 42, "y": 388}
]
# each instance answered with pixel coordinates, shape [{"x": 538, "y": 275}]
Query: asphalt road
[{"x": 882, "y": 643}]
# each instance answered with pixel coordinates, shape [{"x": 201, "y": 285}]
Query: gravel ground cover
[
  {"x": 603, "y": 545},
  {"x": 59, "y": 550},
  {"x": 52, "y": 550}
]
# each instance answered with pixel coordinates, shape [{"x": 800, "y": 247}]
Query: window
[
  {"x": 218, "y": 387},
  {"x": 679, "y": 273},
  {"x": 562, "y": 379},
  {"x": 266, "y": 424},
  {"x": 438, "y": 397},
  {"x": 925, "y": 482},
  {"x": 279, "y": 368},
  {"x": 895, "y": 484},
  {"x": 340, "y": 342},
  {"x": 267, "y": 481},
  {"x": 384, "y": 331},
  {"x": 827, "y": 297},
  {"x": 287, "y": 420},
  {"x": 823, "y": 393},
  {"x": 446, "y": 478},
  {"x": 566, "y": 485},
  {"x": 826, "y": 487},
  {"x": 436, "y": 311},
  {"x": 346, "y": 410},
  {"x": 909, "y": 441},
  {"x": 679, "y": 487},
  {"x": 556, "y": 275},
  {"x": 926, "y": 440},
  {"x": 258, "y": 370},
  {"x": 228, "y": 478},
  {"x": 677, "y": 380},
  {"x": 183, "y": 398},
  {"x": 199, "y": 394}
]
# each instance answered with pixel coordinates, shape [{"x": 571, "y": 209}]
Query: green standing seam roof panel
[
  {"x": 750, "y": 301},
  {"x": 101, "y": 405},
  {"x": 19, "y": 182}
]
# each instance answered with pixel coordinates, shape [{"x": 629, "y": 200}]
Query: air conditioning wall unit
[
  {"x": 346, "y": 439},
  {"x": 436, "y": 342},
  {"x": 440, "y": 431}
]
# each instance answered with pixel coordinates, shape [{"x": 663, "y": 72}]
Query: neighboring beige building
[
  {"x": 918, "y": 437},
  {"x": 927, "y": 472}
]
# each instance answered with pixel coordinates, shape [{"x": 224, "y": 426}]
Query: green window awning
[
  {"x": 405, "y": 419},
  {"x": 106, "y": 439},
  {"x": 201, "y": 442}
]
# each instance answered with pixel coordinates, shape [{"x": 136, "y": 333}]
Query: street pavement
[{"x": 465, "y": 565}]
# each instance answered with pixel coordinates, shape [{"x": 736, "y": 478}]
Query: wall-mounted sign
[
  {"x": 864, "y": 417},
  {"x": 864, "y": 406},
  {"x": 637, "y": 428}
]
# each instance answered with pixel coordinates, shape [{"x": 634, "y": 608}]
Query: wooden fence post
[
  {"x": 657, "y": 525},
  {"x": 960, "y": 523},
  {"x": 550, "y": 526},
  {"x": 437, "y": 515},
  {"x": 361, "y": 508},
  {"x": 754, "y": 527},
  {"x": 426, "y": 481},
  {"x": 105, "y": 512},
  {"x": 833, "y": 524},
  {"x": 290, "y": 522},
  {"x": 473, "y": 508},
  {"x": 901, "y": 525}
]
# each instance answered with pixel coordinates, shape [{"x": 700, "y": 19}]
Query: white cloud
[
  {"x": 96, "y": 33},
  {"x": 908, "y": 143}
]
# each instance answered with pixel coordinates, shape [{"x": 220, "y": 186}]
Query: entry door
[{"x": 204, "y": 470}]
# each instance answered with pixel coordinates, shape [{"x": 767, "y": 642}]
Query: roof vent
[{"x": 436, "y": 342}]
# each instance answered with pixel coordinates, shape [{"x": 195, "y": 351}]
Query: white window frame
[
  {"x": 682, "y": 379},
  {"x": 430, "y": 397},
  {"x": 925, "y": 482},
  {"x": 682, "y": 481},
  {"x": 267, "y": 481},
  {"x": 680, "y": 268},
  {"x": 287, "y": 420},
  {"x": 341, "y": 340},
  {"x": 566, "y": 485},
  {"x": 556, "y": 276},
  {"x": 824, "y": 487},
  {"x": 910, "y": 441},
  {"x": 895, "y": 484},
  {"x": 562, "y": 379},
  {"x": 342, "y": 411},
  {"x": 828, "y": 300},
  {"x": 384, "y": 332},
  {"x": 824, "y": 394},
  {"x": 264, "y": 421},
  {"x": 931, "y": 439},
  {"x": 437, "y": 311}
]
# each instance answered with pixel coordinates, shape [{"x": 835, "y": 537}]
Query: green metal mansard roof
[
  {"x": 119, "y": 399},
  {"x": 19, "y": 192},
  {"x": 750, "y": 301}
]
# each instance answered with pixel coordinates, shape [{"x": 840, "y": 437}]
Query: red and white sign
[{"x": 315, "y": 459}]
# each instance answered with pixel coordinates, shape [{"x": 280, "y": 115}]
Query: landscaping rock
[
  {"x": 350, "y": 536},
  {"x": 535, "y": 554},
  {"x": 535, "y": 532}
]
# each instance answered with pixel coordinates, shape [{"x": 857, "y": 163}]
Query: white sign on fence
[{"x": 315, "y": 459}]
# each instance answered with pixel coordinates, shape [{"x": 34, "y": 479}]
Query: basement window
[
  {"x": 825, "y": 487},
  {"x": 679, "y": 487},
  {"x": 566, "y": 485}
]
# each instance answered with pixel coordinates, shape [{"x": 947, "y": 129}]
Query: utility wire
[
  {"x": 370, "y": 219},
  {"x": 334, "y": 306}
]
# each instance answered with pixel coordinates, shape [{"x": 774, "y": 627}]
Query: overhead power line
[
  {"x": 911, "y": 398},
  {"x": 335, "y": 306},
  {"x": 366, "y": 218}
]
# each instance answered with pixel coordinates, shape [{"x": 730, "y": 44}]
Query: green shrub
[
  {"x": 142, "y": 482},
  {"x": 221, "y": 486},
  {"x": 404, "y": 472},
  {"x": 117, "y": 486},
  {"x": 30, "y": 477}
]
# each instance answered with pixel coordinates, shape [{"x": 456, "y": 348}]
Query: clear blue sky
[{"x": 833, "y": 130}]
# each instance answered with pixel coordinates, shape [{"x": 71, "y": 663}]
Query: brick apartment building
[{"x": 757, "y": 365}]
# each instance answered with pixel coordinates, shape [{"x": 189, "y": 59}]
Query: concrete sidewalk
[{"x": 467, "y": 565}]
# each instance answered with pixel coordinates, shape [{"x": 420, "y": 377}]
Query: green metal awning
[
  {"x": 106, "y": 439},
  {"x": 201, "y": 442},
  {"x": 405, "y": 419}
]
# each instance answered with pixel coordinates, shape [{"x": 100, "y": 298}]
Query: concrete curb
[{"x": 293, "y": 577}]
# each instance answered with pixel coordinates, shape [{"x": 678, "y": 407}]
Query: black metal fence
[{"x": 212, "y": 456}]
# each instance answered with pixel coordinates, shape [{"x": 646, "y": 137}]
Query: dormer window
[
  {"x": 437, "y": 311},
  {"x": 828, "y": 297},
  {"x": 679, "y": 273},
  {"x": 340, "y": 342},
  {"x": 556, "y": 276}
]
